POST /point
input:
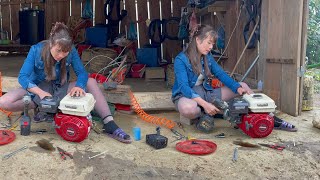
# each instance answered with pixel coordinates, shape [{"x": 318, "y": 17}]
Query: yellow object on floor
[{"x": 308, "y": 92}]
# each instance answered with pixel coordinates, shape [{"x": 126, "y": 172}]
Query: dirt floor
[{"x": 300, "y": 159}]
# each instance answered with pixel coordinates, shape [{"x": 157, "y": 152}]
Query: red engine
[
  {"x": 72, "y": 128},
  {"x": 257, "y": 125},
  {"x": 251, "y": 113}
]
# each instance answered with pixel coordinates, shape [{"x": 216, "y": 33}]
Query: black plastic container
[
  {"x": 156, "y": 140},
  {"x": 31, "y": 26}
]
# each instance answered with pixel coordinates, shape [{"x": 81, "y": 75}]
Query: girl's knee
[{"x": 190, "y": 111}]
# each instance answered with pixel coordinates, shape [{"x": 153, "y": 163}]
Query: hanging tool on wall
[
  {"x": 112, "y": 21},
  {"x": 244, "y": 49},
  {"x": 252, "y": 64},
  {"x": 254, "y": 10}
]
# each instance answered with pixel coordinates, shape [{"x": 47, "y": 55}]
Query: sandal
[
  {"x": 119, "y": 135},
  {"x": 285, "y": 126}
]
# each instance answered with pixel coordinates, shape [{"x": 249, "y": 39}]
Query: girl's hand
[
  {"x": 76, "y": 91},
  {"x": 211, "y": 109},
  {"x": 242, "y": 91},
  {"x": 44, "y": 94}
]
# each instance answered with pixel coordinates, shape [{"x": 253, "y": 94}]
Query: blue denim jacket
[
  {"x": 185, "y": 78},
  {"x": 32, "y": 71}
]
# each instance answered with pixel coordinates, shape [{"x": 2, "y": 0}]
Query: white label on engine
[
  {"x": 70, "y": 107},
  {"x": 262, "y": 105}
]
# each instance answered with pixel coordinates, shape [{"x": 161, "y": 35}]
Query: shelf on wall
[{"x": 218, "y": 6}]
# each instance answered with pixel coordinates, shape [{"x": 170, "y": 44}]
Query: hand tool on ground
[
  {"x": 177, "y": 139},
  {"x": 97, "y": 155},
  {"x": 14, "y": 152},
  {"x": 64, "y": 153},
  {"x": 235, "y": 155},
  {"x": 221, "y": 135},
  {"x": 40, "y": 131},
  {"x": 276, "y": 147},
  {"x": 180, "y": 125},
  {"x": 4, "y": 125},
  {"x": 177, "y": 135}
]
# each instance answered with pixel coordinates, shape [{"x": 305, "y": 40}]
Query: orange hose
[{"x": 162, "y": 121}]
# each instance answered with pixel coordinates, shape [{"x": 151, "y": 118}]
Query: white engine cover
[{"x": 260, "y": 103}]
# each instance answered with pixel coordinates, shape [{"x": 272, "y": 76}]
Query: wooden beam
[
  {"x": 9, "y": 83},
  {"x": 155, "y": 101}
]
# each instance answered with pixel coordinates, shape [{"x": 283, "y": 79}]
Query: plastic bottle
[
  {"x": 136, "y": 133},
  {"x": 260, "y": 85}
]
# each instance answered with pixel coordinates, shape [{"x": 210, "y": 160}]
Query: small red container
[
  {"x": 137, "y": 70},
  {"x": 98, "y": 77}
]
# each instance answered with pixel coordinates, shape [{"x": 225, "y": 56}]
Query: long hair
[
  {"x": 59, "y": 35},
  {"x": 201, "y": 32}
]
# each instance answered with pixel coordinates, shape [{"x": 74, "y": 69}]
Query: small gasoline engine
[
  {"x": 252, "y": 113},
  {"x": 73, "y": 121}
]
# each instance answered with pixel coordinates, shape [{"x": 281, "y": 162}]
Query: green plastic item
[{"x": 95, "y": 115}]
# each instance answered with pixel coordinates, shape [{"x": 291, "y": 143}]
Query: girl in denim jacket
[
  {"x": 194, "y": 69},
  {"x": 45, "y": 72}
]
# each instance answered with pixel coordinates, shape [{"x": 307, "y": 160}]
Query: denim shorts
[
  {"x": 56, "y": 90},
  {"x": 206, "y": 95}
]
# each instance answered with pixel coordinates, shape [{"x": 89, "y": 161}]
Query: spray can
[{"x": 25, "y": 122}]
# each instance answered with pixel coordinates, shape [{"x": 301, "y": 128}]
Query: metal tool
[
  {"x": 178, "y": 134},
  {"x": 180, "y": 125},
  {"x": 235, "y": 155},
  {"x": 14, "y": 152},
  {"x": 40, "y": 131},
  {"x": 64, "y": 153},
  {"x": 97, "y": 155},
  {"x": 276, "y": 147},
  {"x": 221, "y": 135}
]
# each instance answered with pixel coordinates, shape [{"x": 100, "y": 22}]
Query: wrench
[{"x": 7, "y": 156}]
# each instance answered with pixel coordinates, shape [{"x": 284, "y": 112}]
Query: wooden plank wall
[{"x": 59, "y": 10}]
